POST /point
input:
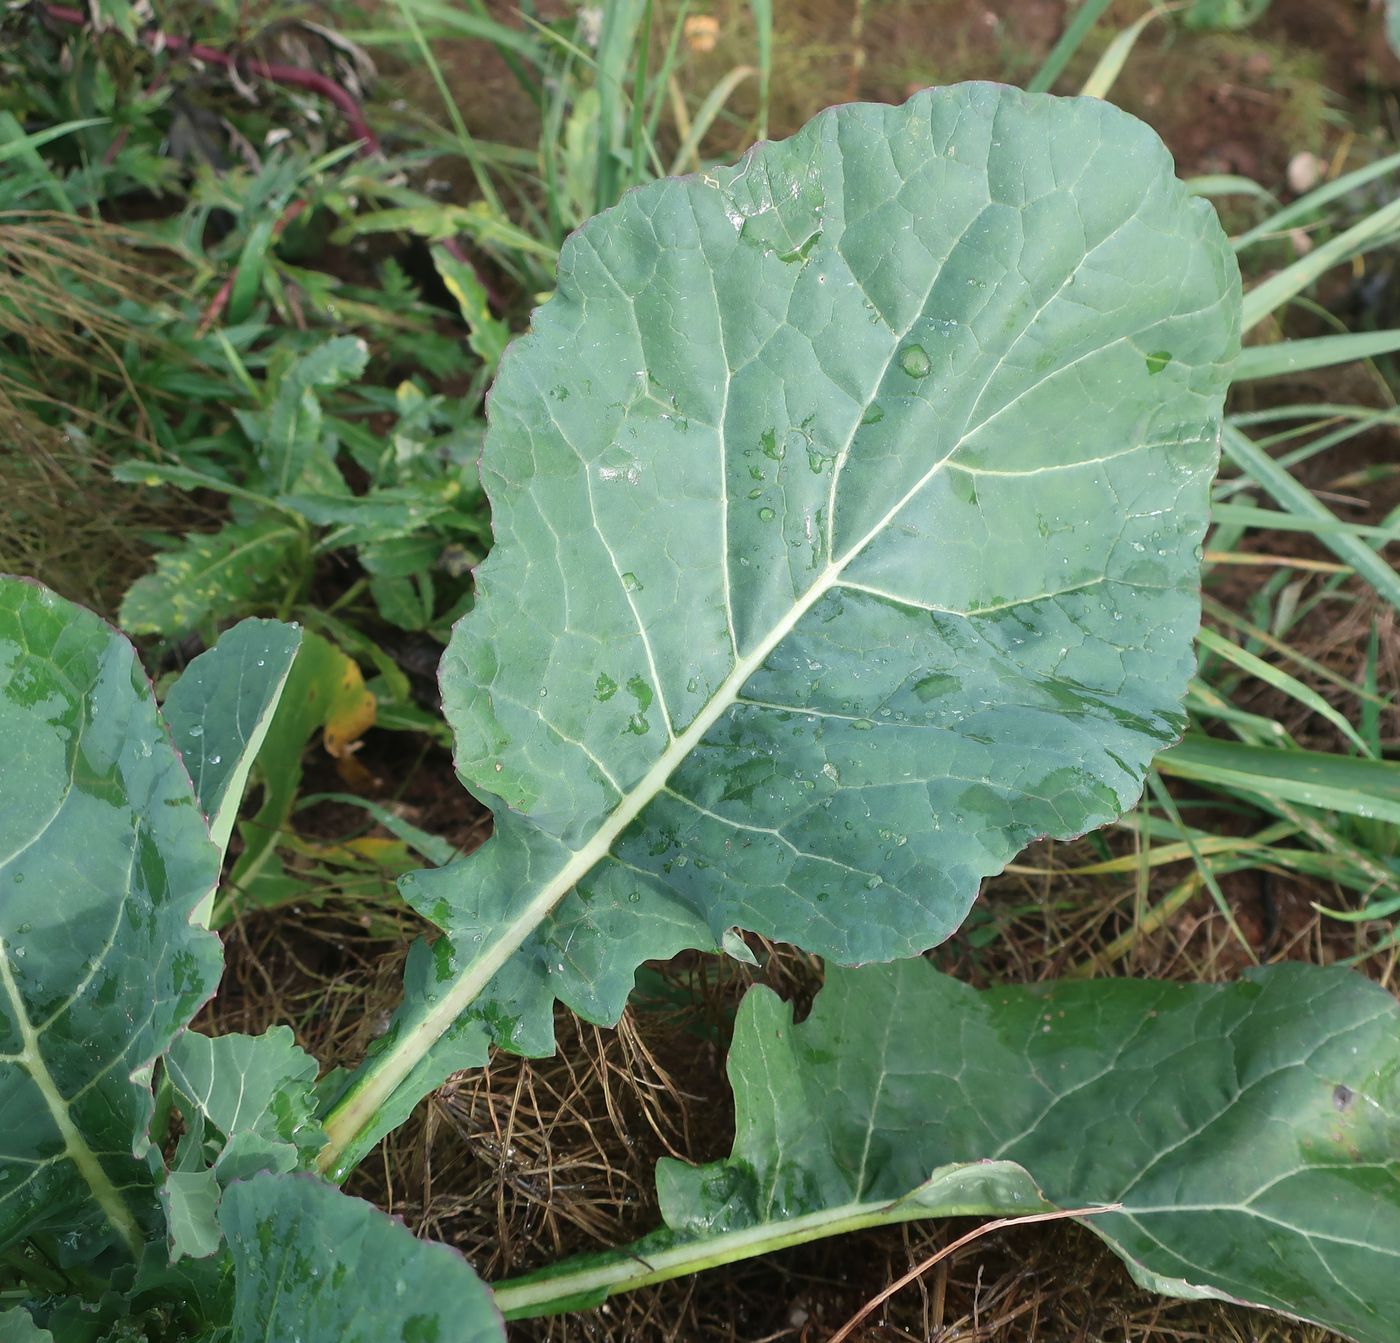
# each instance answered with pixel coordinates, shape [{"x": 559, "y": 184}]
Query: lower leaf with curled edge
[
  {"x": 847, "y": 508},
  {"x": 1239, "y": 1141}
]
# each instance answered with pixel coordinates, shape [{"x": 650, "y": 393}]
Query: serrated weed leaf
[
  {"x": 211, "y": 576},
  {"x": 1250, "y": 1132},
  {"x": 847, "y": 505},
  {"x": 104, "y": 856}
]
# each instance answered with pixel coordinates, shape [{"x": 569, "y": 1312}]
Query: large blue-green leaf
[
  {"x": 847, "y": 505},
  {"x": 104, "y": 856},
  {"x": 1246, "y": 1137},
  {"x": 314, "y": 1265}
]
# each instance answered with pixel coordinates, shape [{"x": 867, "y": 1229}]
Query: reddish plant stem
[
  {"x": 289, "y": 76},
  {"x": 220, "y": 301}
]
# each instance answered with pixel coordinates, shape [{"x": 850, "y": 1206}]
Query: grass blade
[
  {"x": 1063, "y": 51},
  {"x": 1274, "y": 292},
  {"x": 1105, "y": 73},
  {"x": 1297, "y": 499},
  {"x": 1281, "y": 680},
  {"x": 1297, "y": 356},
  {"x": 1356, "y": 787},
  {"x": 1303, "y": 208}
]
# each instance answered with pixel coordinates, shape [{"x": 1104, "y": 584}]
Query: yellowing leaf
[{"x": 350, "y": 711}]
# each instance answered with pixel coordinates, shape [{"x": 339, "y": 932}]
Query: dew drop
[
  {"x": 767, "y": 514},
  {"x": 631, "y": 582},
  {"x": 196, "y": 731}
]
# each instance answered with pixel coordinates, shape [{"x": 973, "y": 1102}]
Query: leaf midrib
[
  {"x": 75, "y": 1146},
  {"x": 359, "y": 1105}
]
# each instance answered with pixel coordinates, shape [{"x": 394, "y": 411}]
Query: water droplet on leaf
[{"x": 914, "y": 361}]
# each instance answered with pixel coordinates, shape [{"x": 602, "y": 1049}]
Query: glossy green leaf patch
[
  {"x": 248, "y": 1103},
  {"x": 219, "y": 711}
]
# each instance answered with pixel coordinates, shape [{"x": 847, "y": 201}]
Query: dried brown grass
[{"x": 64, "y": 345}]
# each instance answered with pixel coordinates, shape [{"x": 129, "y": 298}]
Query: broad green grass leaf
[
  {"x": 314, "y": 1264},
  {"x": 847, "y": 505},
  {"x": 219, "y": 711},
  {"x": 1297, "y": 356},
  {"x": 104, "y": 857},
  {"x": 1332, "y": 782},
  {"x": 213, "y": 575},
  {"x": 1249, "y": 1133}
]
